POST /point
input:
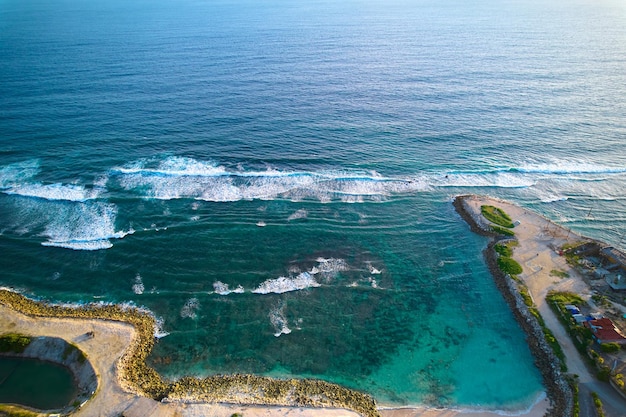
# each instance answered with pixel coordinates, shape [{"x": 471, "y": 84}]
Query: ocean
[{"x": 274, "y": 179}]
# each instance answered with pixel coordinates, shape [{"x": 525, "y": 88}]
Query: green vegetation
[
  {"x": 502, "y": 231},
  {"x": 14, "y": 342},
  {"x": 609, "y": 347},
  {"x": 497, "y": 216},
  {"x": 15, "y": 411},
  {"x": 569, "y": 250},
  {"x": 505, "y": 262},
  {"x": 582, "y": 336},
  {"x": 559, "y": 273},
  {"x": 598, "y": 403},
  {"x": 509, "y": 266},
  {"x": 564, "y": 298},
  {"x": 601, "y": 300},
  {"x": 70, "y": 349},
  {"x": 503, "y": 250},
  {"x": 573, "y": 383}
]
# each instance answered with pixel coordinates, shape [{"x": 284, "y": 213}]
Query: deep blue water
[{"x": 274, "y": 179}]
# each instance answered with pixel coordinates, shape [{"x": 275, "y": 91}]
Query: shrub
[
  {"x": 598, "y": 404},
  {"x": 509, "y": 266},
  {"x": 497, "y": 216},
  {"x": 609, "y": 347},
  {"x": 502, "y": 231},
  {"x": 559, "y": 273},
  {"x": 604, "y": 373},
  {"x": 503, "y": 250},
  {"x": 14, "y": 342},
  {"x": 565, "y": 298}
]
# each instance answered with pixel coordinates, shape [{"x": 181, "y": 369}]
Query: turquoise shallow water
[{"x": 274, "y": 181}]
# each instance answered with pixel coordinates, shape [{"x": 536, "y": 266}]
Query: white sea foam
[
  {"x": 15, "y": 174},
  {"x": 569, "y": 167},
  {"x": 177, "y": 177},
  {"x": 261, "y": 224},
  {"x": 138, "y": 287},
  {"x": 284, "y": 284},
  {"x": 298, "y": 214},
  {"x": 223, "y": 289},
  {"x": 81, "y": 226},
  {"x": 330, "y": 268},
  {"x": 373, "y": 270},
  {"x": 190, "y": 309},
  {"x": 159, "y": 332},
  {"x": 481, "y": 179},
  {"x": 279, "y": 320},
  {"x": 60, "y": 192}
]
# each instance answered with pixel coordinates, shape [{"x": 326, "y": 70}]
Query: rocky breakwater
[
  {"x": 252, "y": 389},
  {"x": 558, "y": 389},
  {"x": 136, "y": 377}
]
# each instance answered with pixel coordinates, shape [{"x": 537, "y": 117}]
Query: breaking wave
[
  {"x": 325, "y": 270},
  {"x": 223, "y": 289},
  {"x": 569, "y": 167},
  {"x": 54, "y": 192},
  {"x": 82, "y": 226},
  {"x": 284, "y": 284},
  {"x": 278, "y": 320},
  {"x": 177, "y": 177}
]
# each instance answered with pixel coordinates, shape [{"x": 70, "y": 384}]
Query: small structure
[
  {"x": 600, "y": 273},
  {"x": 615, "y": 256},
  {"x": 617, "y": 282},
  {"x": 604, "y": 331}
]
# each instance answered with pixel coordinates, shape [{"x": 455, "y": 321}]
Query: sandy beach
[{"x": 536, "y": 252}]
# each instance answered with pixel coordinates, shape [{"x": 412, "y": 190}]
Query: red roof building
[{"x": 604, "y": 331}]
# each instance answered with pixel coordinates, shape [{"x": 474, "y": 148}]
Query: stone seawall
[{"x": 558, "y": 389}]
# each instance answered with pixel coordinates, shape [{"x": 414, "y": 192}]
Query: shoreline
[
  {"x": 558, "y": 389},
  {"x": 136, "y": 386}
]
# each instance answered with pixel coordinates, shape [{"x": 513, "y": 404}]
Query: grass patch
[
  {"x": 503, "y": 250},
  {"x": 503, "y": 231},
  {"x": 497, "y": 216},
  {"x": 509, "y": 266},
  {"x": 559, "y": 273},
  {"x": 564, "y": 298},
  {"x": 14, "y": 342}
]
